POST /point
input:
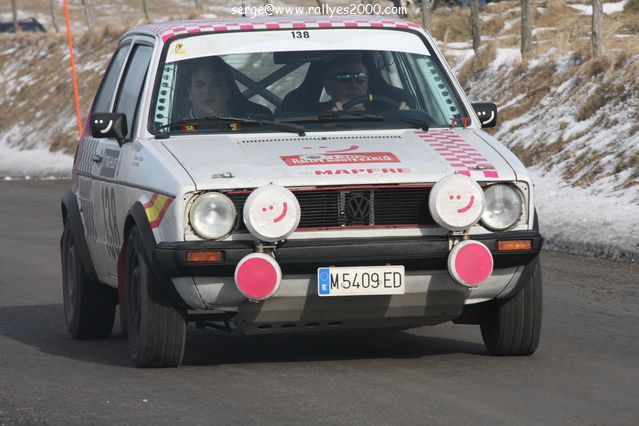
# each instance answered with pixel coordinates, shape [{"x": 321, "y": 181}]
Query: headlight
[
  {"x": 212, "y": 215},
  {"x": 503, "y": 207}
]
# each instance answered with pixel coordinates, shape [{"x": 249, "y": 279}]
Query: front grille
[{"x": 357, "y": 207}]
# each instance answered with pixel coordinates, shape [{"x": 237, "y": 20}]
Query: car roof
[{"x": 167, "y": 30}]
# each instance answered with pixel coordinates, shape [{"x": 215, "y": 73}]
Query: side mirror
[
  {"x": 487, "y": 113},
  {"x": 106, "y": 125}
]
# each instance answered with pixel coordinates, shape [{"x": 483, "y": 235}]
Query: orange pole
[{"x": 74, "y": 76}]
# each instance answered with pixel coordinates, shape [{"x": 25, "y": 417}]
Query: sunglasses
[{"x": 360, "y": 77}]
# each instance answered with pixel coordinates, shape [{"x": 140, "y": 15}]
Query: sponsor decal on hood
[{"x": 342, "y": 156}]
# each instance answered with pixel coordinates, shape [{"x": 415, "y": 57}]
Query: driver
[
  {"x": 212, "y": 92},
  {"x": 209, "y": 88},
  {"x": 346, "y": 78}
]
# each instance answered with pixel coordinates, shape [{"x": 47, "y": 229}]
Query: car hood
[{"x": 344, "y": 158}]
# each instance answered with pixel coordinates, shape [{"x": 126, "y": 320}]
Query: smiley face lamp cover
[
  {"x": 456, "y": 202},
  {"x": 271, "y": 213}
]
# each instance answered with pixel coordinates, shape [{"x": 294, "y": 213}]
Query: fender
[
  {"x": 137, "y": 217},
  {"x": 70, "y": 210}
]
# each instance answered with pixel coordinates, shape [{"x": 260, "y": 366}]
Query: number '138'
[{"x": 300, "y": 34}]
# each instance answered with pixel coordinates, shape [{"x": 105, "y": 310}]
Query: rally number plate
[{"x": 361, "y": 281}]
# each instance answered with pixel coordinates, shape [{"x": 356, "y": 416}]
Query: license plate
[{"x": 361, "y": 281}]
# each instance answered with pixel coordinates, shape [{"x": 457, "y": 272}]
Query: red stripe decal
[
  {"x": 151, "y": 201},
  {"x": 157, "y": 222}
]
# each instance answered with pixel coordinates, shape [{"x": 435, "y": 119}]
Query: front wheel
[
  {"x": 156, "y": 330},
  {"x": 513, "y": 327}
]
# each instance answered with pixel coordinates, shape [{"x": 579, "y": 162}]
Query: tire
[
  {"x": 89, "y": 306},
  {"x": 156, "y": 330},
  {"x": 513, "y": 327}
]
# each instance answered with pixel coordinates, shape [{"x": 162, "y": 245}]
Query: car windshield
[{"x": 318, "y": 80}]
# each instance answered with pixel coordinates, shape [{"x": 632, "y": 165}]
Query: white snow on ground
[
  {"x": 506, "y": 56},
  {"x": 508, "y": 25},
  {"x": 39, "y": 162},
  {"x": 536, "y": 31},
  {"x": 579, "y": 221},
  {"x": 462, "y": 55},
  {"x": 459, "y": 45},
  {"x": 608, "y": 8}
]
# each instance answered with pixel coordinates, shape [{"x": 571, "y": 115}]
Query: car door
[
  {"x": 88, "y": 160},
  {"x": 107, "y": 191}
]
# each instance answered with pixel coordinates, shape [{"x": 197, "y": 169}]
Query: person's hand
[
  {"x": 340, "y": 107},
  {"x": 403, "y": 106}
]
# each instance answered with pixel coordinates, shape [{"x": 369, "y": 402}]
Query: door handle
[{"x": 97, "y": 158}]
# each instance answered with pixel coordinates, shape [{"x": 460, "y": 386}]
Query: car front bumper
[{"x": 431, "y": 296}]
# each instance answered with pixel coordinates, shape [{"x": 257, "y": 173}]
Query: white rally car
[{"x": 289, "y": 175}]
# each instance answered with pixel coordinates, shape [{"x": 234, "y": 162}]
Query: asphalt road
[{"x": 586, "y": 370}]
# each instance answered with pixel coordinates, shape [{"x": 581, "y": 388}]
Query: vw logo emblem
[{"x": 358, "y": 207}]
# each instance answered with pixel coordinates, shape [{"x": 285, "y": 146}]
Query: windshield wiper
[
  {"x": 336, "y": 116},
  {"x": 415, "y": 122},
  {"x": 349, "y": 115},
  {"x": 361, "y": 115},
  {"x": 216, "y": 119}
]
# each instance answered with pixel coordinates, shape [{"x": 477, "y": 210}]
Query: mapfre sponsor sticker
[
  {"x": 384, "y": 171},
  {"x": 344, "y": 158}
]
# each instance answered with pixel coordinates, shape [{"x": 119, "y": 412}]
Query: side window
[
  {"x": 132, "y": 83},
  {"x": 103, "y": 99},
  {"x": 441, "y": 101}
]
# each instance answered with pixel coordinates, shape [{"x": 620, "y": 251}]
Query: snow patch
[
  {"x": 459, "y": 45},
  {"x": 586, "y": 222},
  {"x": 508, "y": 25},
  {"x": 463, "y": 57},
  {"x": 506, "y": 56},
  {"x": 39, "y": 162},
  {"x": 608, "y": 8}
]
